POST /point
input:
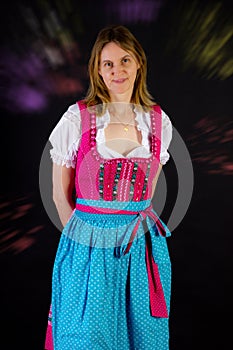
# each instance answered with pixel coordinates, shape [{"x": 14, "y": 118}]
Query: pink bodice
[{"x": 120, "y": 179}]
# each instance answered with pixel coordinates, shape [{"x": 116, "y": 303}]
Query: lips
[{"x": 119, "y": 81}]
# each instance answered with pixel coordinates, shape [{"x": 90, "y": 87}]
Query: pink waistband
[{"x": 99, "y": 210}]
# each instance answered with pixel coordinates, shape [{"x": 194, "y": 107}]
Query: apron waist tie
[{"x": 158, "y": 305}]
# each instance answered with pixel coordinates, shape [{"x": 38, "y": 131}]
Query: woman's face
[{"x": 118, "y": 69}]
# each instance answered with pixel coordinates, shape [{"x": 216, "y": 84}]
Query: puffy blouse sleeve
[
  {"x": 65, "y": 138},
  {"x": 166, "y": 137}
]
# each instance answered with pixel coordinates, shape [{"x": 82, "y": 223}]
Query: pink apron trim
[
  {"x": 49, "y": 338},
  {"x": 49, "y": 333}
]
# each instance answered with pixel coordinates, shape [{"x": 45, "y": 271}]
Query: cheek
[
  {"x": 106, "y": 77},
  {"x": 101, "y": 75},
  {"x": 133, "y": 74}
]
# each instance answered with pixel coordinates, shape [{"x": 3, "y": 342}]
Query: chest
[{"x": 122, "y": 138}]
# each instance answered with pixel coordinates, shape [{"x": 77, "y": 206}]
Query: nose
[{"x": 117, "y": 69}]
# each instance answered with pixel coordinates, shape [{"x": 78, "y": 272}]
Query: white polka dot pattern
[{"x": 100, "y": 297}]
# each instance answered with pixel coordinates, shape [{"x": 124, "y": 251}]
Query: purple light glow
[
  {"x": 134, "y": 11},
  {"x": 26, "y": 84},
  {"x": 14, "y": 238},
  {"x": 27, "y": 98},
  {"x": 30, "y": 82},
  {"x": 211, "y": 145}
]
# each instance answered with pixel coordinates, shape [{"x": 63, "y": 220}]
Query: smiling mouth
[{"x": 119, "y": 81}]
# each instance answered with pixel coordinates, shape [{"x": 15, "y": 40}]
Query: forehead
[{"x": 112, "y": 51}]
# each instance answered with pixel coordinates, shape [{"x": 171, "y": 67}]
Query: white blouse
[{"x": 66, "y": 136}]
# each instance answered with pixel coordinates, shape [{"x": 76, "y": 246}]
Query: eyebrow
[{"x": 128, "y": 55}]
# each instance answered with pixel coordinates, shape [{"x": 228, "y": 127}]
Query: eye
[
  {"x": 108, "y": 64},
  {"x": 126, "y": 60}
]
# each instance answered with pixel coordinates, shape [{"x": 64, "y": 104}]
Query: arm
[{"x": 63, "y": 187}]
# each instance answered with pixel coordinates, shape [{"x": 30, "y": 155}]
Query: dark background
[{"x": 45, "y": 46}]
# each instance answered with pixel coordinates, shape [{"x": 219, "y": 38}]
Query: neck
[
  {"x": 121, "y": 98},
  {"x": 120, "y": 108}
]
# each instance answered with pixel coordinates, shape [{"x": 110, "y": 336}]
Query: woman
[{"x": 111, "y": 277}]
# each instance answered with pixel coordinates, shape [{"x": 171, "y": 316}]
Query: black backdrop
[{"x": 199, "y": 103}]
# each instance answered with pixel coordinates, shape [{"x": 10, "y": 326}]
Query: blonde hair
[{"x": 97, "y": 93}]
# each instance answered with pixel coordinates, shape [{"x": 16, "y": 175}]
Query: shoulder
[
  {"x": 166, "y": 127},
  {"x": 65, "y": 137},
  {"x": 72, "y": 113},
  {"x": 69, "y": 123},
  {"x": 165, "y": 120}
]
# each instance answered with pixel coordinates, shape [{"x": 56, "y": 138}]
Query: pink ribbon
[{"x": 158, "y": 305}]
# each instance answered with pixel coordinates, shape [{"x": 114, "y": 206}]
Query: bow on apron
[
  {"x": 157, "y": 299},
  {"x": 158, "y": 305}
]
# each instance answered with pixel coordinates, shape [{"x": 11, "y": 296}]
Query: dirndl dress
[{"x": 111, "y": 279}]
